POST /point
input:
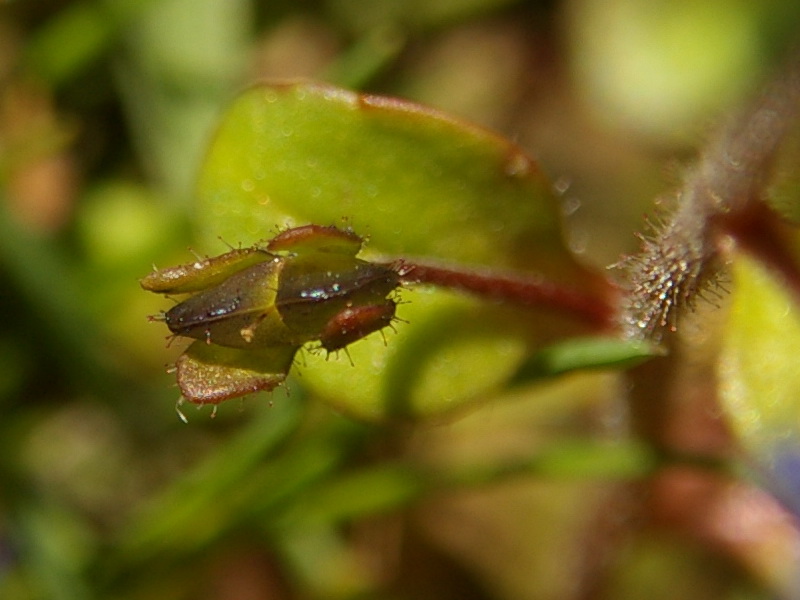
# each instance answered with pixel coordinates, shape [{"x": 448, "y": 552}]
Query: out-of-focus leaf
[
  {"x": 417, "y": 183},
  {"x": 364, "y": 15},
  {"x": 122, "y": 225},
  {"x": 47, "y": 283},
  {"x": 183, "y": 513},
  {"x": 784, "y": 186},
  {"x": 325, "y": 565},
  {"x": 366, "y": 58},
  {"x": 759, "y": 377},
  {"x": 58, "y": 544},
  {"x": 173, "y": 86},
  {"x": 78, "y": 36},
  {"x": 688, "y": 59},
  {"x": 15, "y": 364},
  {"x": 585, "y": 353},
  {"x": 371, "y": 491}
]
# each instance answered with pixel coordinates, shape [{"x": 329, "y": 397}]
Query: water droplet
[
  {"x": 570, "y": 206},
  {"x": 517, "y": 165},
  {"x": 561, "y": 185}
]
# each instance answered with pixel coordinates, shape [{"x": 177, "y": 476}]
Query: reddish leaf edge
[{"x": 517, "y": 163}]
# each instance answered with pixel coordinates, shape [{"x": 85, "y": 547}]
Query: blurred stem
[{"x": 595, "y": 310}]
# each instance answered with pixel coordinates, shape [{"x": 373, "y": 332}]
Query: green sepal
[
  {"x": 210, "y": 374},
  {"x": 203, "y": 274},
  {"x": 240, "y": 312},
  {"x": 316, "y": 238}
]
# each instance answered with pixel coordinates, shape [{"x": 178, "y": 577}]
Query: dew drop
[
  {"x": 578, "y": 243},
  {"x": 517, "y": 165},
  {"x": 561, "y": 185},
  {"x": 570, "y": 206}
]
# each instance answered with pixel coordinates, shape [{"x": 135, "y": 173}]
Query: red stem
[
  {"x": 595, "y": 310},
  {"x": 760, "y": 232}
]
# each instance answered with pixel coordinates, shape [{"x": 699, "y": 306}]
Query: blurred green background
[{"x": 106, "y": 108}]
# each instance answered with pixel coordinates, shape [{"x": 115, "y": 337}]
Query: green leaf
[
  {"x": 585, "y": 353},
  {"x": 417, "y": 183},
  {"x": 759, "y": 378},
  {"x": 180, "y": 516},
  {"x": 449, "y": 352}
]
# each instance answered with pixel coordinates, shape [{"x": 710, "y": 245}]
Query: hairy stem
[
  {"x": 673, "y": 400},
  {"x": 681, "y": 254}
]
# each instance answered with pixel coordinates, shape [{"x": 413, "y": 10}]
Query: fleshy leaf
[{"x": 415, "y": 182}]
